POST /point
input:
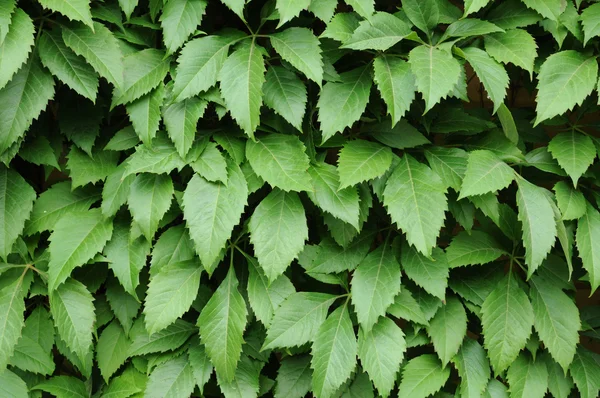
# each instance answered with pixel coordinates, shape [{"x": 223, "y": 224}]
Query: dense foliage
[{"x": 291, "y": 197}]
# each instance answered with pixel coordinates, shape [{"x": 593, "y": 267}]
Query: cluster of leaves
[{"x": 299, "y": 198}]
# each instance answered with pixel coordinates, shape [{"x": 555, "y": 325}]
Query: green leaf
[
  {"x": 415, "y": 199},
  {"x": 289, "y": 9},
  {"x": 331, "y": 258},
  {"x": 172, "y": 379},
  {"x": 447, "y": 329},
  {"x": 449, "y": 163},
  {"x": 559, "y": 383},
  {"x": 75, "y": 10},
  {"x": 539, "y": 226},
  {"x": 149, "y": 199},
  {"x": 507, "y": 318},
  {"x": 588, "y": 233},
  {"x": 406, "y": 307},
  {"x": 246, "y": 382},
  {"x": 514, "y": 46},
  {"x": 64, "y": 386},
  {"x": 324, "y": 9},
  {"x": 143, "y": 71},
  {"x": 341, "y": 27},
  {"x": 423, "y": 14},
  {"x": 375, "y": 283},
  {"x": 495, "y": 389},
  {"x": 222, "y": 324},
  {"x": 211, "y": 164},
  {"x": 326, "y": 193},
  {"x": 123, "y": 140},
  {"x": 285, "y": 93},
  {"x": 144, "y": 114},
  {"x": 473, "y": 368},
  {"x": 570, "y": 201},
  {"x": 23, "y": 99},
  {"x": 471, "y": 27},
  {"x": 422, "y": 376},
  {"x": 472, "y": 6},
  {"x": 436, "y": 73},
  {"x": 170, "y": 294},
  {"x": 380, "y": 32},
  {"x": 179, "y": 19},
  {"x": 12, "y": 307},
  {"x": 167, "y": 339},
  {"x": 586, "y": 373},
  {"x": 556, "y": 319},
  {"x": 72, "y": 308},
  {"x": 112, "y": 349},
  {"x": 590, "y": 19},
  {"x": 281, "y": 161},
  {"x": 566, "y": 78},
  {"x": 429, "y": 273},
  {"x": 492, "y": 75},
  {"x": 76, "y": 239},
  {"x": 211, "y": 210},
  {"x": 297, "y": 319},
  {"x": 116, "y": 190},
  {"x": 128, "y": 383},
  {"x": 381, "y": 352},
  {"x": 237, "y": 6},
  {"x": 242, "y": 77},
  {"x": 85, "y": 169},
  {"x": 485, "y": 173},
  {"x": 277, "y": 231},
  {"x": 16, "y": 202},
  {"x": 294, "y": 377},
  {"x": 550, "y": 9},
  {"x": 180, "y": 119},
  {"x": 364, "y": 8},
  {"x": 396, "y": 84},
  {"x": 201, "y": 366},
  {"x": 300, "y": 47},
  {"x": 16, "y": 46},
  {"x": 574, "y": 152},
  {"x": 333, "y": 352},
  {"x": 6, "y": 11},
  {"x": 361, "y": 160},
  {"x": 100, "y": 49},
  {"x": 475, "y": 248},
  {"x": 161, "y": 157},
  {"x": 12, "y": 386},
  {"x": 527, "y": 378},
  {"x": 265, "y": 297},
  {"x": 342, "y": 103},
  {"x": 173, "y": 246}
]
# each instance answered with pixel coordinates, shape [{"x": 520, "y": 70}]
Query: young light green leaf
[
  {"x": 475, "y": 248},
  {"x": 76, "y": 239},
  {"x": 415, "y": 199},
  {"x": 242, "y": 77},
  {"x": 111, "y": 350},
  {"x": 550, "y": 9},
  {"x": 143, "y": 71},
  {"x": 449, "y": 163},
  {"x": 16, "y": 46},
  {"x": 289, "y": 9},
  {"x": 294, "y": 377},
  {"x": 590, "y": 19},
  {"x": 436, "y": 72},
  {"x": 485, "y": 173},
  {"x": 361, "y": 160},
  {"x": 381, "y": 352},
  {"x": 588, "y": 233},
  {"x": 333, "y": 352},
  {"x": 473, "y": 368},
  {"x": 23, "y": 99},
  {"x": 556, "y": 320},
  {"x": 149, "y": 199},
  {"x": 171, "y": 293},
  {"x": 278, "y": 230},
  {"x": 586, "y": 373},
  {"x": 181, "y": 119},
  {"x": 514, "y": 46},
  {"x": 527, "y": 377},
  {"x": 380, "y": 32},
  {"x": 396, "y": 84},
  {"x": 16, "y": 203},
  {"x": 574, "y": 152},
  {"x": 375, "y": 283},
  {"x": 507, "y": 318},
  {"x": 222, "y": 324},
  {"x": 211, "y": 164},
  {"x": 566, "y": 78},
  {"x": 171, "y": 379},
  {"x": 72, "y": 308},
  {"x": 492, "y": 75},
  {"x": 99, "y": 47},
  {"x": 6, "y": 11},
  {"x": 211, "y": 210},
  {"x": 12, "y": 386},
  {"x": 297, "y": 319},
  {"x": 12, "y": 308},
  {"x": 448, "y": 328},
  {"x": 144, "y": 114},
  {"x": 570, "y": 201},
  {"x": 539, "y": 226},
  {"x": 179, "y": 19},
  {"x": 285, "y": 94},
  {"x": 280, "y": 160},
  {"x": 422, "y": 376},
  {"x": 364, "y": 8},
  {"x": 342, "y": 103}
]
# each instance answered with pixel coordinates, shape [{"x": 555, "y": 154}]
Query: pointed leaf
[
  {"x": 514, "y": 46},
  {"x": 171, "y": 379},
  {"x": 527, "y": 378},
  {"x": 422, "y": 376},
  {"x": 12, "y": 308},
  {"x": 300, "y": 47},
  {"x": 473, "y": 368},
  {"x": 285, "y": 94},
  {"x": 475, "y": 248},
  {"x": 361, "y": 160},
  {"x": 490, "y": 73},
  {"x": 396, "y": 84},
  {"x": 448, "y": 328},
  {"x": 586, "y": 373},
  {"x": 294, "y": 377},
  {"x": 16, "y": 46},
  {"x": 16, "y": 202},
  {"x": 179, "y": 19},
  {"x": 571, "y": 203},
  {"x": 112, "y": 349},
  {"x": 588, "y": 233},
  {"x": 149, "y": 199},
  {"x": 289, "y": 9},
  {"x": 550, "y": 9},
  {"x": 144, "y": 114},
  {"x": 12, "y": 386},
  {"x": 449, "y": 163},
  {"x": 574, "y": 152},
  {"x": 380, "y": 32},
  {"x": 211, "y": 164},
  {"x": 180, "y": 119}
]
